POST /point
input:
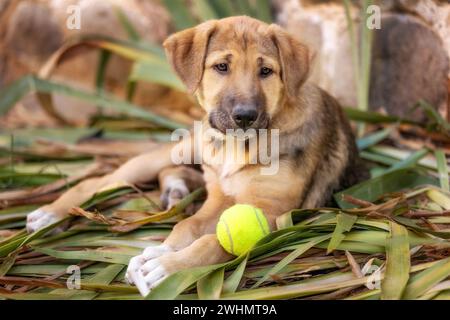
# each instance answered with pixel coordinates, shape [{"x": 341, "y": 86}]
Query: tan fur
[{"x": 317, "y": 150}]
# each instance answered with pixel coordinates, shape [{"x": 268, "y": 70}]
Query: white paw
[
  {"x": 41, "y": 218},
  {"x": 145, "y": 270},
  {"x": 149, "y": 276},
  {"x": 174, "y": 190}
]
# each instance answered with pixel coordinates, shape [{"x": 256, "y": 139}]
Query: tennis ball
[{"x": 240, "y": 227}]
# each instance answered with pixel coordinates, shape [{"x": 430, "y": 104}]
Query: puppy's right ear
[
  {"x": 186, "y": 51},
  {"x": 294, "y": 58}
]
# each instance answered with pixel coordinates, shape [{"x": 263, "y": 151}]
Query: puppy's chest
[
  {"x": 226, "y": 167},
  {"x": 231, "y": 184},
  {"x": 225, "y": 161}
]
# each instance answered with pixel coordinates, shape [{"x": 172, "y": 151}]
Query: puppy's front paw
[
  {"x": 41, "y": 218},
  {"x": 134, "y": 272},
  {"x": 149, "y": 275},
  {"x": 174, "y": 191}
]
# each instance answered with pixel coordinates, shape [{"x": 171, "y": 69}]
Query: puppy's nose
[{"x": 244, "y": 116}]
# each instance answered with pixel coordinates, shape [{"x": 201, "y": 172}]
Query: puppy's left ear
[
  {"x": 294, "y": 57},
  {"x": 186, "y": 51}
]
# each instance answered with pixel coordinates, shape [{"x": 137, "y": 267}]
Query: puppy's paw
[
  {"x": 136, "y": 263},
  {"x": 174, "y": 190},
  {"x": 41, "y": 218},
  {"x": 149, "y": 275}
]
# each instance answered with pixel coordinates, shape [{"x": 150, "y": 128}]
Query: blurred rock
[
  {"x": 436, "y": 14},
  {"x": 32, "y": 34},
  {"x": 411, "y": 51},
  {"x": 323, "y": 27},
  {"x": 409, "y": 64}
]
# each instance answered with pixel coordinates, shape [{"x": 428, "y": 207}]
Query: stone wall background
[{"x": 411, "y": 51}]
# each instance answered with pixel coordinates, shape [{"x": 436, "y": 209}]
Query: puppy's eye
[
  {"x": 221, "y": 67},
  {"x": 265, "y": 72}
]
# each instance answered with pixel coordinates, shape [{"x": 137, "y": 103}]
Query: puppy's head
[{"x": 241, "y": 69}]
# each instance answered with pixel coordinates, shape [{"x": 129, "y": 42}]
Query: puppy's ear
[
  {"x": 294, "y": 57},
  {"x": 186, "y": 51}
]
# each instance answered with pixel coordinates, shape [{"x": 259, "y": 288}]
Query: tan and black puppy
[{"x": 251, "y": 76}]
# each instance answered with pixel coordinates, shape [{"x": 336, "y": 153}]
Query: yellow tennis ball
[{"x": 240, "y": 227}]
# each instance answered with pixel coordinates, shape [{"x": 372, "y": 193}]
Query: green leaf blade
[{"x": 397, "y": 265}]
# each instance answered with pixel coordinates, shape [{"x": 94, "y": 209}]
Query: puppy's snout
[{"x": 244, "y": 116}]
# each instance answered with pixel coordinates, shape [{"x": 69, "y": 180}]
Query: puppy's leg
[
  {"x": 184, "y": 234},
  {"x": 140, "y": 169},
  {"x": 203, "y": 222},
  {"x": 176, "y": 183},
  {"x": 58, "y": 210},
  {"x": 206, "y": 250}
]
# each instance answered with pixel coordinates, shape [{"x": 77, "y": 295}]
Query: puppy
[{"x": 247, "y": 75}]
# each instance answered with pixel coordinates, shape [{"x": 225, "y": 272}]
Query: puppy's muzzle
[{"x": 244, "y": 116}]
